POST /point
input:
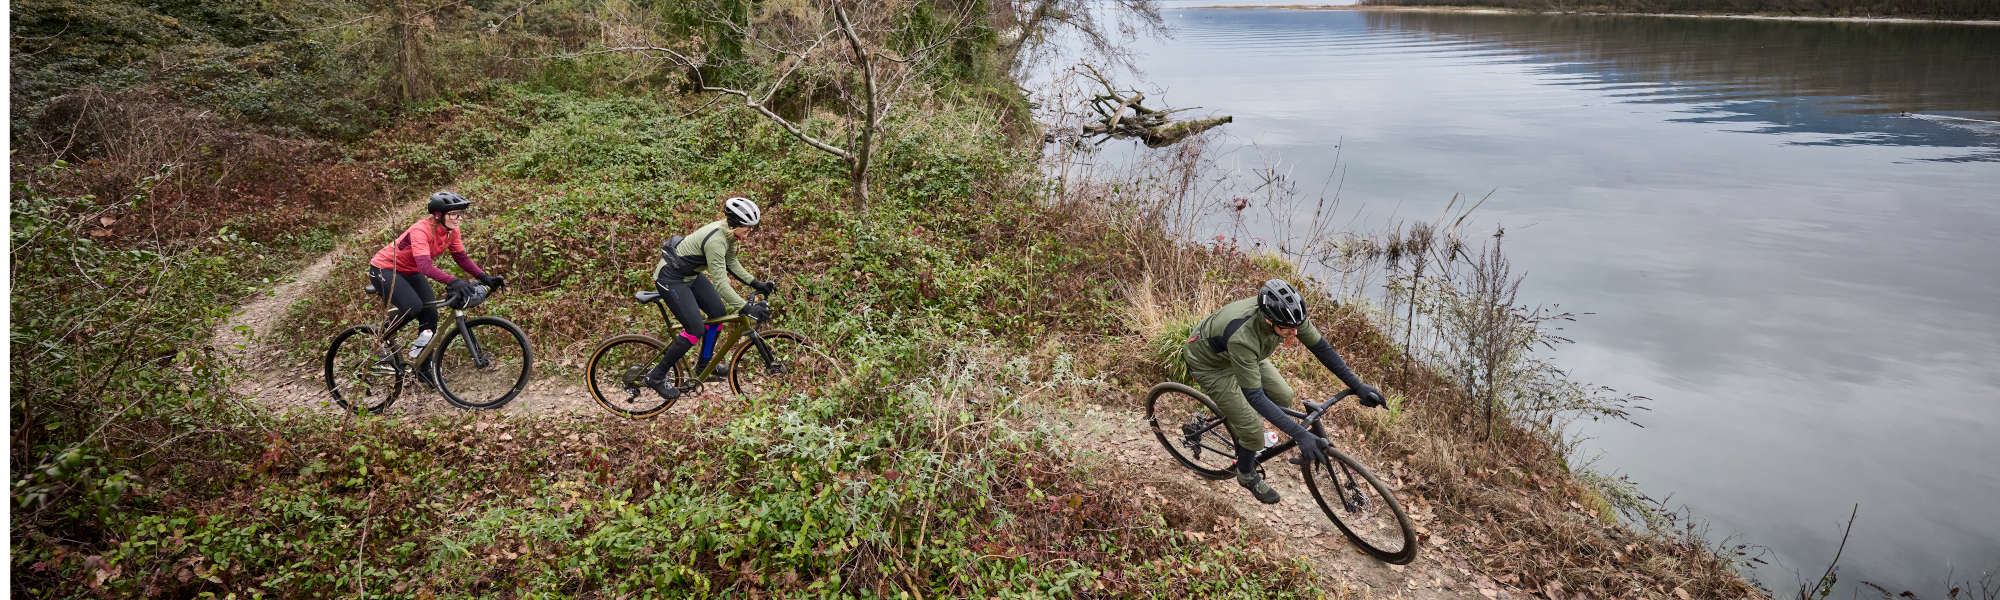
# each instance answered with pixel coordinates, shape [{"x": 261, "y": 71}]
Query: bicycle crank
[{"x": 633, "y": 380}]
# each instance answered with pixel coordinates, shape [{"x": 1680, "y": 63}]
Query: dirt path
[{"x": 1122, "y": 440}]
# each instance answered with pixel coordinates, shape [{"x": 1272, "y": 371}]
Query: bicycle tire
[
  {"x": 355, "y": 372},
  {"x": 612, "y": 371},
  {"x": 1402, "y": 556},
  {"x": 1207, "y": 419},
  {"x": 793, "y": 358},
  {"x": 503, "y": 349}
]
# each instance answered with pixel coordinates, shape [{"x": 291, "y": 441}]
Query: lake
[{"x": 1789, "y": 233}]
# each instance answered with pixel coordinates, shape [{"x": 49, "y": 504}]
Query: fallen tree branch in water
[{"x": 1155, "y": 127}]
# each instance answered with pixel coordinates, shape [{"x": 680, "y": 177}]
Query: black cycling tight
[{"x": 409, "y": 292}]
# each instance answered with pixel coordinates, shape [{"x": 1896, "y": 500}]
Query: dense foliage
[{"x": 177, "y": 158}]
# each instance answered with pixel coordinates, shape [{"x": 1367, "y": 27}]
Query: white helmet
[{"x": 741, "y": 211}]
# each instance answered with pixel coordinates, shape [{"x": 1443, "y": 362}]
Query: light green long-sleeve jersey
[{"x": 716, "y": 246}]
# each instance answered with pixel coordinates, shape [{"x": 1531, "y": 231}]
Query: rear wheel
[
  {"x": 361, "y": 378},
  {"x": 1189, "y": 426},
  {"x": 615, "y": 371},
  {"x": 1364, "y": 509},
  {"x": 490, "y": 377},
  {"x": 784, "y": 360}
]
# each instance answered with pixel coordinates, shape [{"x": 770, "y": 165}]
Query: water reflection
[
  {"x": 1850, "y": 83},
  {"x": 1801, "y": 274}
]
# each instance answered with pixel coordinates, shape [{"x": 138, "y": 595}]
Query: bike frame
[
  {"x": 397, "y": 319},
  {"x": 1310, "y": 419},
  {"x": 735, "y": 326}
]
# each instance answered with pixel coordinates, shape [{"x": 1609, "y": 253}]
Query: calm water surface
[{"x": 1789, "y": 231}]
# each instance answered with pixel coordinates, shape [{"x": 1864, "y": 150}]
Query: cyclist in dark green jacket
[
  {"x": 693, "y": 273},
  {"x": 1228, "y": 356}
]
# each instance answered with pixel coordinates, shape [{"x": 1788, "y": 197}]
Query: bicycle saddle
[{"x": 645, "y": 297}]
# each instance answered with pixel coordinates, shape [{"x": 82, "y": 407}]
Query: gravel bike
[
  {"x": 476, "y": 362},
  {"x": 1189, "y": 426},
  {"x": 762, "y": 360}
]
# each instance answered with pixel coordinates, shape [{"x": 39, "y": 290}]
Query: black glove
[
  {"x": 764, "y": 287},
  {"x": 1369, "y": 396},
  {"x": 1312, "y": 449},
  {"x": 493, "y": 281},
  {"x": 458, "y": 288},
  {"x": 758, "y": 310}
]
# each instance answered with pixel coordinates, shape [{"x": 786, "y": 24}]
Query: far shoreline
[{"x": 1490, "y": 10}]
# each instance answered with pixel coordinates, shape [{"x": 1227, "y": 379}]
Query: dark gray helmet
[
  {"x": 1281, "y": 304},
  {"x": 447, "y": 201}
]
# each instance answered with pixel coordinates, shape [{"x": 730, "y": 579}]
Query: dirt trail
[{"x": 1122, "y": 439}]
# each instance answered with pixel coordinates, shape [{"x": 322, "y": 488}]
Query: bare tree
[
  {"x": 1028, "y": 27},
  {"x": 852, "y": 52}
]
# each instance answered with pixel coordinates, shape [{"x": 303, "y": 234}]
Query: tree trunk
[
  {"x": 412, "y": 79},
  {"x": 1028, "y": 28},
  {"x": 865, "y": 142}
]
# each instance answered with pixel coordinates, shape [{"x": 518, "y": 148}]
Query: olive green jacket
[{"x": 1252, "y": 341}]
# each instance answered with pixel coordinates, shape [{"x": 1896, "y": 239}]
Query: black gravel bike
[
  {"x": 475, "y": 362},
  {"x": 1189, "y": 426},
  {"x": 759, "y": 360}
]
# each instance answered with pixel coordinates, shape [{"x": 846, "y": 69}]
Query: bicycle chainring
[{"x": 634, "y": 379}]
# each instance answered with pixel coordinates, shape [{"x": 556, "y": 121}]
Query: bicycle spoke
[
  {"x": 358, "y": 376},
  {"x": 617, "y": 368},
  {"x": 483, "y": 365},
  {"x": 778, "y": 360},
  {"x": 1191, "y": 431},
  {"x": 1362, "y": 507}
]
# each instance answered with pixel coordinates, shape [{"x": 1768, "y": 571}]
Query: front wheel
[
  {"x": 484, "y": 364},
  {"x": 777, "y": 359},
  {"x": 361, "y": 378},
  {"x": 1189, "y": 426},
  {"x": 1361, "y": 507},
  {"x": 615, "y": 372}
]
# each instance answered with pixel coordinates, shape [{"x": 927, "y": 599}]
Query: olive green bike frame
[{"x": 735, "y": 326}]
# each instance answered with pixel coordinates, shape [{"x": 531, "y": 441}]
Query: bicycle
[
  {"x": 478, "y": 362},
  {"x": 781, "y": 358},
  {"x": 1184, "y": 419}
]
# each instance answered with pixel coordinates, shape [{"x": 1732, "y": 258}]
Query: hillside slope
[{"x": 976, "y": 319}]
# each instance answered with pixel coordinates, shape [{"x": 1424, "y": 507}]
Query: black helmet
[
  {"x": 1281, "y": 304},
  {"x": 447, "y": 201}
]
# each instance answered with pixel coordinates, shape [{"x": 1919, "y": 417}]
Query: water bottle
[
  {"x": 1270, "y": 438},
  {"x": 418, "y": 348}
]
